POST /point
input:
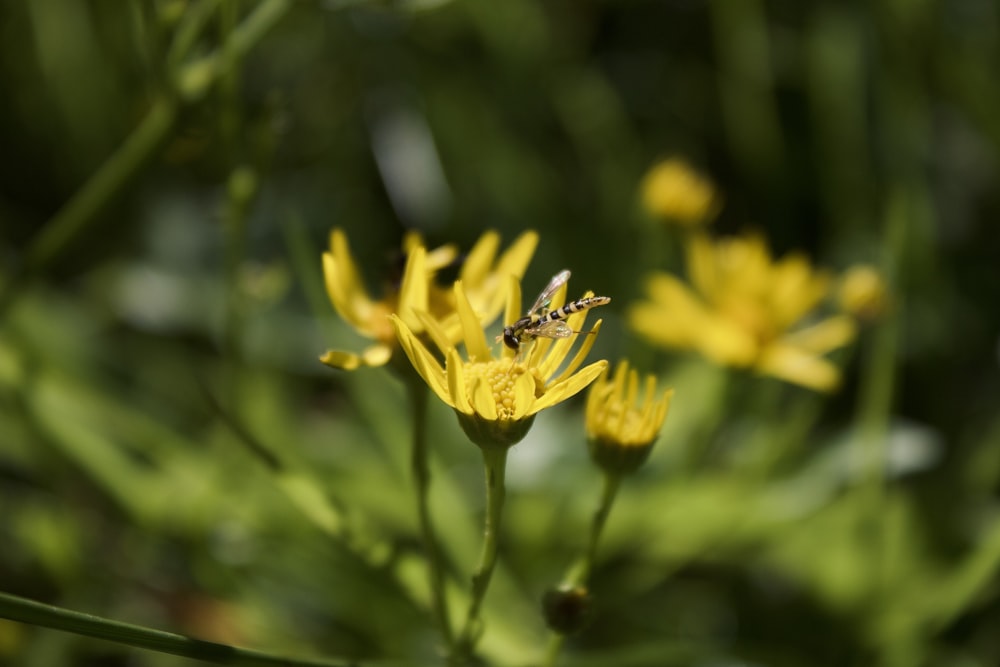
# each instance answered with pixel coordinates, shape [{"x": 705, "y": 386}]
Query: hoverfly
[{"x": 540, "y": 322}]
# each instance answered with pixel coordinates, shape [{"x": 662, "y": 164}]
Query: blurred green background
[{"x": 169, "y": 320}]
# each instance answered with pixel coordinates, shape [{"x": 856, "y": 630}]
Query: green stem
[
  {"x": 193, "y": 81},
  {"x": 495, "y": 465},
  {"x": 35, "y": 613},
  {"x": 422, "y": 479},
  {"x": 77, "y": 213},
  {"x": 608, "y": 494},
  {"x": 579, "y": 574}
]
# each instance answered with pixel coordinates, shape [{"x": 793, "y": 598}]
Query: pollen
[{"x": 500, "y": 377}]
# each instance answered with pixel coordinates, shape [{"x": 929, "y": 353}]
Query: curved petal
[
  {"x": 345, "y": 361},
  {"x": 673, "y": 316},
  {"x": 799, "y": 367},
  {"x": 589, "y": 338},
  {"x": 376, "y": 355},
  {"x": 795, "y": 289},
  {"x": 572, "y": 385},
  {"x": 524, "y": 395},
  {"x": 557, "y": 350},
  {"x": 702, "y": 266},
  {"x": 725, "y": 342},
  {"x": 456, "y": 383},
  {"x": 477, "y": 263},
  {"x": 435, "y": 331},
  {"x": 824, "y": 336},
  {"x": 513, "y": 262},
  {"x": 513, "y": 309},
  {"x": 483, "y": 403},
  {"x": 343, "y": 286},
  {"x": 422, "y": 361},
  {"x": 414, "y": 288},
  {"x": 472, "y": 330}
]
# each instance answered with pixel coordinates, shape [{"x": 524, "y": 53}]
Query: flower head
[
  {"x": 418, "y": 291},
  {"x": 862, "y": 292},
  {"x": 747, "y": 310},
  {"x": 622, "y": 425},
  {"x": 497, "y": 398},
  {"x": 674, "y": 191}
]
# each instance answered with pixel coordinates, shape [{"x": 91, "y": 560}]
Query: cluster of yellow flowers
[
  {"x": 740, "y": 306},
  {"x": 496, "y": 397}
]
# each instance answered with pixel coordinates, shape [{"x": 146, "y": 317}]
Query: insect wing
[
  {"x": 545, "y": 297},
  {"x": 552, "y": 329}
]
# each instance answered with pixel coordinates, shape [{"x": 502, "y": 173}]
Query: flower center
[{"x": 499, "y": 376}]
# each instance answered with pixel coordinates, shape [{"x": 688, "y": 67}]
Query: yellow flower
[
  {"x": 621, "y": 428},
  {"x": 676, "y": 192},
  {"x": 745, "y": 309},
  {"x": 862, "y": 292},
  {"x": 497, "y": 398},
  {"x": 482, "y": 271}
]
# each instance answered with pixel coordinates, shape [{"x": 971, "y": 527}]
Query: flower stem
[
  {"x": 579, "y": 574},
  {"x": 421, "y": 479},
  {"x": 30, "y": 612},
  {"x": 608, "y": 495},
  {"x": 495, "y": 464}
]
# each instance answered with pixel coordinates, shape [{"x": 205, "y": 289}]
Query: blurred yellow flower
[
  {"x": 621, "y": 428},
  {"x": 676, "y": 192},
  {"x": 482, "y": 271},
  {"x": 496, "y": 399},
  {"x": 862, "y": 292},
  {"x": 747, "y": 310}
]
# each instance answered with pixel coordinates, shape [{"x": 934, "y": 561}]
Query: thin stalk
[
  {"x": 878, "y": 379},
  {"x": 608, "y": 495},
  {"x": 579, "y": 574},
  {"x": 422, "y": 479},
  {"x": 495, "y": 466},
  {"x": 73, "y": 219},
  {"x": 193, "y": 81},
  {"x": 35, "y": 613}
]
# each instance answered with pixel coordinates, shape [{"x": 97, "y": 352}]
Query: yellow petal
[
  {"x": 558, "y": 349},
  {"x": 702, "y": 266},
  {"x": 346, "y": 361},
  {"x": 435, "y": 331},
  {"x": 513, "y": 309},
  {"x": 441, "y": 257},
  {"x": 524, "y": 395},
  {"x": 479, "y": 260},
  {"x": 483, "y": 403},
  {"x": 472, "y": 330},
  {"x": 674, "y": 315},
  {"x": 725, "y": 342},
  {"x": 411, "y": 241},
  {"x": 572, "y": 385},
  {"x": 795, "y": 289},
  {"x": 589, "y": 338},
  {"x": 824, "y": 336},
  {"x": 422, "y": 361},
  {"x": 344, "y": 288},
  {"x": 800, "y": 367},
  {"x": 377, "y": 355},
  {"x": 413, "y": 291},
  {"x": 513, "y": 262},
  {"x": 456, "y": 383}
]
